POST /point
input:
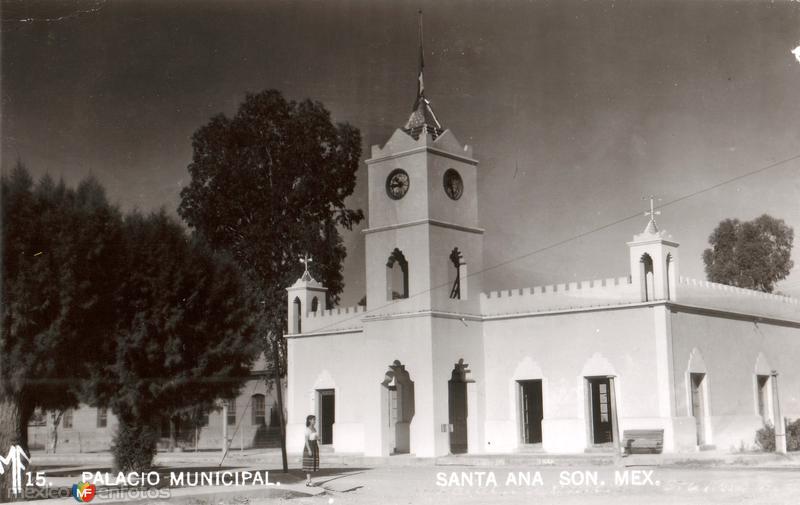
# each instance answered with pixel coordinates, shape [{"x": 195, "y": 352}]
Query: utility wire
[{"x": 581, "y": 235}]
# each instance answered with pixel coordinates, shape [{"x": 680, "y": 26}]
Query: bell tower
[
  {"x": 423, "y": 245},
  {"x": 423, "y": 250},
  {"x": 654, "y": 261}
]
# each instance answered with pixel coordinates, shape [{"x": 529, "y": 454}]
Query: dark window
[
  {"x": 259, "y": 409},
  {"x": 102, "y": 417},
  {"x": 67, "y": 421},
  {"x": 231, "y": 404}
]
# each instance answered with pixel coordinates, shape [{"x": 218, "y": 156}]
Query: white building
[{"x": 434, "y": 365}]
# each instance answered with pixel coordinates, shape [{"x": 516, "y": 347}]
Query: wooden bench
[{"x": 643, "y": 441}]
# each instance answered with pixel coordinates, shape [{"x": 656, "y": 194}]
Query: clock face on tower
[
  {"x": 453, "y": 185},
  {"x": 397, "y": 184}
]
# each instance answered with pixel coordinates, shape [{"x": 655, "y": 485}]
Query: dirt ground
[
  {"x": 748, "y": 480},
  {"x": 439, "y": 486},
  {"x": 472, "y": 485}
]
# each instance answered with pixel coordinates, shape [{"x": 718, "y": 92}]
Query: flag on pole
[
  {"x": 420, "y": 81},
  {"x": 422, "y": 118}
]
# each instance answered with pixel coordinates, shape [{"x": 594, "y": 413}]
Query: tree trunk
[
  {"x": 10, "y": 435},
  {"x": 26, "y": 412},
  {"x": 281, "y": 420},
  {"x": 55, "y": 416},
  {"x": 173, "y": 433}
]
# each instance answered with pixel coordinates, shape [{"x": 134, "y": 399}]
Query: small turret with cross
[
  {"x": 654, "y": 259},
  {"x": 306, "y": 295},
  {"x": 305, "y": 260},
  {"x": 651, "y": 224}
]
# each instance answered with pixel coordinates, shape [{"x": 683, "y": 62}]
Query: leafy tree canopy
[
  {"x": 60, "y": 248},
  {"x": 185, "y": 333},
  {"x": 269, "y": 185},
  {"x": 130, "y": 313},
  {"x": 751, "y": 254},
  {"x": 185, "y": 327}
]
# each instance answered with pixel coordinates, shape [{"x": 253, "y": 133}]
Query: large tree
[
  {"x": 185, "y": 334},
  {"x": 750, "y": 254},
  {"x": 60, "y": 252},
  {"x": 269, "y": 185}
]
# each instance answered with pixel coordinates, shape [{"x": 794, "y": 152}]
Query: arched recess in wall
[
  {"x": 297, "y": 314},
  {"x": 397, "y": 393},
  {"x": 314, "y": 304},
  {"x": 646, "y": 270},
  {"x": 598, "y": 366},
  {"x": 696, "y": 362},
  {"x": 324, "y": 380},
  {"x": 396, "y": 276},
  {"x": 458, "y": 275}
]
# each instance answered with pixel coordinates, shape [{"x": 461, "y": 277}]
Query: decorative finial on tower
[
  {"x": 651, "y": 225},
  {"x": 422, "y": 118},
  {"x": 305, "y": 260}
]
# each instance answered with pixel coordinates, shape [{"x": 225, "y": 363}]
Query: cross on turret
[
  {"x": 653, "y": 213},
  {"x": 305, "y": 260},
  {"x": 651, "y": 225}
]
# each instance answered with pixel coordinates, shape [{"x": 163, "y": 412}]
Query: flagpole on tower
[
  {"x": 420, "y": 37},
  {"x": 420, "y": 82},
  {"x": 422, "y": 119}
]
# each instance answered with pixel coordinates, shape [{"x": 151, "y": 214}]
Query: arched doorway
[
  {"x": 399, "y": 405},
  {"x": 458, "y": 408}
]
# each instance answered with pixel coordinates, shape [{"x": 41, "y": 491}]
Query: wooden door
[
  {"x": 531, "y": 411},
  {"x": 327, "y": 415},
  {"x": 600, "y": 406},
  {"x": 458, "y": 416},
  {"x": 698, "y": 406}
]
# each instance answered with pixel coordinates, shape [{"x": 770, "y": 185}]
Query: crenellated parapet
[
  {"x": 340, "y": 318},
  {"x": 585, "y": 294},
  {"x": 731, "y": 298}
]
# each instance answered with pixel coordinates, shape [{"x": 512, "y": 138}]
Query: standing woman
[{"x": 311, "y": 450}]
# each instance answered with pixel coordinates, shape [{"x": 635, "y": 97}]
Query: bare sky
[{"x": 575, "y": 109}]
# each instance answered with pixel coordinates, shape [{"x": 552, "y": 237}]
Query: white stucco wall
[
  {"x": 729, "y": 348},
  {"x": 562, "y": 350}
]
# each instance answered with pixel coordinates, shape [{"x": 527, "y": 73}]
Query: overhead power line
[{"x": 583, "y": 234}]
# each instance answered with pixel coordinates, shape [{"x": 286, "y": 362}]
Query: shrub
[
  {"x": 134, "y": 448},
  {"x": 765, "y": 437},
  {"x": 793, "y": 436}
]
